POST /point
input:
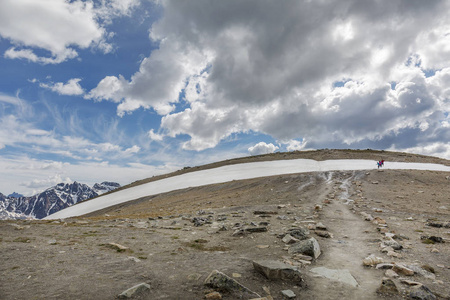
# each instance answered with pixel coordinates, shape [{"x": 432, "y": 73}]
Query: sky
[{"x": 121, "y": 90}]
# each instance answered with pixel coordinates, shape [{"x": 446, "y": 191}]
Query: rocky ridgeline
[{"x": 51, "y": 200}]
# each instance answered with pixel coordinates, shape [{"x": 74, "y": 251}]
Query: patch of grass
[
  {"x": 428, "y": 241},
  {"x": 174, "y": 237},
  {"x": 15, "y": 268},
  {"x": 91, "y": 233},
  {"x": 142, "y": 257},
  {"x": 418, "y": 230},
  {"x": 200, "y": 241},
  {"x": 22, "y": 239}
]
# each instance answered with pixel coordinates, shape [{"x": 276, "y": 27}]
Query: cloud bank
[{"x": 344, "y": 73}]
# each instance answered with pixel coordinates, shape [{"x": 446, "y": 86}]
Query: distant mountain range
[{"x": 62, "y": 195}]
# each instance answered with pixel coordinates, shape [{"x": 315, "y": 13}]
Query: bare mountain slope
[{"x": 175, "y": 240}]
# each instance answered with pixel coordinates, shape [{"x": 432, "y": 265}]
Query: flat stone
[
  {"x": 421, "y": 272},
  {"x": 343, "y": 275},
  {"x": 117, "y": 247},
  {"x": 273, "y": 269},
  {"x": 137, "y": 289},
  {"x": 264, "y": 212},
  {"x": 323, "y": 233},
  {"x": 421, "y": 292},
  {"x": 219, "y": 280},
  {"x": 402, "y": 270},
  {"x": 410, "y": 282},
  {"x": 288, "y": 294},
  {"x": 384, "y": 266},
  {"x": 308, "y": 247}
]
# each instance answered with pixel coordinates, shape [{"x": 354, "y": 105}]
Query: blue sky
[{"x": 121, "y": 90}]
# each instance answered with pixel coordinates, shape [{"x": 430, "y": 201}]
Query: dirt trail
[{"x": 354, "y": 239}]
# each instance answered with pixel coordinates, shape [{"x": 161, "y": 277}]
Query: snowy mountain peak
[
  {"x": 15, "y": 195},
  {"x": 105, "y": 186},
  {"x": 51, "y": 200}
]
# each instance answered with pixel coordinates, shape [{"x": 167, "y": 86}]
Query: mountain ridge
[{"x": 51, "y": 200}]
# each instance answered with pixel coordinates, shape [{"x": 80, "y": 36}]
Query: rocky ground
[{"x": 350, "y": 235}]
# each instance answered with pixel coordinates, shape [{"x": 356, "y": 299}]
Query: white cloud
[
  {"x": 154, "y": 136},
  {"x": 50, "y": 25},
  {"x": 243, "y": 70},
  {"x": 295, "y": 145},
  {"x": 72, "y": 87},
  {"x": 262, "y": 148},
  {"x": 28, "y": 176},
  {"x": 40, "y": 184},
  {"x": 437, "y": 149},
  {"x": 133, "y": 149}
]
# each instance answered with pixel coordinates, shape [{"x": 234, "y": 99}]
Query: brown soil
[{"x": 71, "y": 259}]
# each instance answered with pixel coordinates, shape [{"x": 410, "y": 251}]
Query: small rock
[
  {"x": 52, "y": 242},
  {"x": 384, "y": 266},
  {"x": 288, "y": 294},
  {"x": 135, "y": 290},
  {"x": 410, "y": 282},
  {"x": 302, "y": 257},
  {"x": 221, "y": 281},
  {"x": 262, "y": 246},
  {"x": 434, "y": 250},
  {"x": 435, "y": 224},
  {"x": 117, "y": 247},
  {"x": 421, "y": 292},
  {"x": 378, "y": 220},
  {"x": 236, "y": 275},
  {"x": 372, "y": 260},
  {"x": 289, "y": 239},
  {"x": 323, "y": 233},
  {"x": 308, "y": 247},
  {"x": 402, "y": 270},
  {"x": 421, "y": 271},
  {"x": 213, "y": 296},
  {"x": 264, "y": 212},
  {"x": 320, "y": 226},
  {"x": 133, "y": 259},
  {"x": 387, "y": 287},
  {"x": 367, "y": 216},
  {"x": 318, "y": 207},
  {"x": 391, "y": 274},
  {"x": 273, "y": 269},
  {"x": 299, "y": 233},
  {"x": 394, "y": 254},
  {"x": 394, "y": 244}
]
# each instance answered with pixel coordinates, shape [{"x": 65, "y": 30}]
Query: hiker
[
  {"x": 382, "y": 162},
  {"x": 379, "y": 164}
]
